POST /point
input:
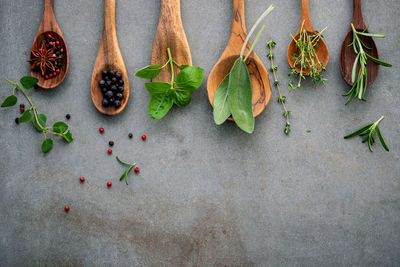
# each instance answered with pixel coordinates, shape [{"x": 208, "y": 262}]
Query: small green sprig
[
  {"x": 59, "y": 128},
  {"x": 178, "y": 91},
  {"x": 307, "y": 59},
  {"x": 281, "y": 99},
  {"x": 125, "y": 174},
  {"x": 368, "y": 132},
  {"x": 360, "y": 80}
]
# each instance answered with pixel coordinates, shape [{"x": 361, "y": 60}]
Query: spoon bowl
[
  {"x": 261, "y": 89},
  {"x": 49, "y": 25}
]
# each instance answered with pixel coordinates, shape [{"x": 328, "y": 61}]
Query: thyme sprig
[
  {"x": 281, "y": 99},
  {"x": 125, "y": 174},
  {"x": 360, "y": 83},
  {"x": 307, "y": 59},
  {"x": 368, "y": 132}
]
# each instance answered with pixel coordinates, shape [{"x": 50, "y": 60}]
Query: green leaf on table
[
  {"x": 47, "y": 145},
  {"x": 181, "y": 97},
  {"x": 9, "y": 101},
  {"x": 26, "y": 116},
  {"x": 156, "y": 88},
  {"x": 149, "y": 72},
  {"x": 240, "y": 96},
  {"x": 190, "y": 78},
  {"x": 68, "y": 137},
  {"x": 42, "y": 120},
  {"x": 160, "y": 105},
  {"x": 28, "y": 82},
  {"x": 60, "y": 127},
  {"x": 221, "y": 106}
]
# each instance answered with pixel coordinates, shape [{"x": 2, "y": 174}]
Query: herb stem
[{"x": 172, "y": 66}]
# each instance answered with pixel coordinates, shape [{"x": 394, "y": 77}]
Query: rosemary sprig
[
  {"x": 368, "y": 132},
  {"x": 281, "y": 98},
  {"x": 125, "y": 174},
  {"x": 360, "y": 84},
  {"x": 307, "y": 59}
]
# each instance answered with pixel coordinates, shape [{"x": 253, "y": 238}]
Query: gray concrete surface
[{"x": 207, "y": 195}]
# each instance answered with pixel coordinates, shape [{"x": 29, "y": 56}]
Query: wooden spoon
[
  {"x": 170, "y": 34},
  {"x": 258, "y": 74},
  {"x": 321, "y": 49},
  {"x": 109, "y": 58},
  {"x": 347, "y": 55},
  {"x": 49, "y": 25}
]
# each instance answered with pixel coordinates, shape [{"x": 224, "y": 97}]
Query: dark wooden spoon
[
  {"x": 261, "y": 89},
  {"x": 347, "y": 55},
  {"x": 170, "y": 34},
  {"x": 49, "y": 25},
  {"x": 109, "y": 58},
  {"x": 321, "y": 49}
]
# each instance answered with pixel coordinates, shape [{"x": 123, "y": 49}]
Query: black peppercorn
[
  {"x": 111, "y": 143},
  {"x": 68, "y": 116},
  {"x": 17, "y": 120},
  {"x": 130, "y": 135}
]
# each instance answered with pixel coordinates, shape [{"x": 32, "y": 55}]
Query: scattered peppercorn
[
  {"x": 144, "y": 137},
  {"x": 109, "y": 184},
  {"x": 101, "y": 130},
  {"x": 66, "y": 208},
  {"x": 17, "y": 120},
  {"x": 22, "y": 105},
  {"x": 137, "y": 170},
  {"x": 82, "y": 179},
  {"x": 68, "y": 116},
  {"x": 130, "y": 135},
  {"x": 111, "y": 143},
  {"x": 109, "y": 151},
  {"x": 22, "y": 110}
]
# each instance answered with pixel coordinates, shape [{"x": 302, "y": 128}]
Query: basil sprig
[
  {"x": 164, "y": 95},
  {"x": 234, "y": 93}
]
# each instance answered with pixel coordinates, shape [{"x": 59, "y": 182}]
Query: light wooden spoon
[
  {"x": 321, "y": 49},
  {"x": 260, "y": 84},
  {"x": 109, "y": 58},
  {"x": 49, "y": 25},
  {"x": 170, "y": 34}
]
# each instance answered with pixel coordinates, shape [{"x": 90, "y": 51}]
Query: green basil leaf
[
  {"x": 190, "y": 78},
  {"x": 221, "y": 106},
  {"x": 47, "y": 145},
  {"x": 26, "y": 116},
  {"x": 149, "y": 72},
  {"x": 183, "y": 66},
  {"x": 160, "y": 105},
  {"x": 181, "y": 97},
  {"x": 42, "y": 120},
  {"x": 240, "y": 96},
  {"x": 60, "y": 127},
  {"x": 9, "y": 101},
  {"x": 156, "y": 88},
  {"x": 68, "y": 137},
  {"x": 28, "y": 82}
]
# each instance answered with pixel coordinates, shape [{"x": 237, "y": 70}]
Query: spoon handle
[
  {"x": 171, "y": 11},
  {"x": 238, "y": 21},
  {"x": 358, "y": 20},
  {"x": 109, "y": 32},
  {"x": 49, "y": 22},
  {"x": 305, "y": 15}
]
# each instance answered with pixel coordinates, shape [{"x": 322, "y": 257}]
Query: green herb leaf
[
  {"x": 220, "y": 102},
  {"x": 68, "y": 137},
  {"x": 47, "y": 145},
  {"x": 149, "y": 72},
  {"x": 9, "y": 101},
  {"x": 378, "y": 131},
  {"x": 376, "y": 35},
  {"x": 26, "y": 116},
  {"x": 378, "y": 61},
  {"x": 181, "y": 97},
  {"x": 156, "y": 88},
  {"x": 190, "y": 78},
  {"x": 42, "y": 120},
  {"x": 183, "y": 66},
  {"x": 354, "y": 69},
  {"x": 240, "y": 96},
  {"x": 160, "y": 105},
  {"x": 60, "y": 127},
  {"x": 359, "y": 131},
  {"x": 28, "y": 82}
]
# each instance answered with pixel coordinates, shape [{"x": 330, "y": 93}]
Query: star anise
[{"x": 43, "y": 58}]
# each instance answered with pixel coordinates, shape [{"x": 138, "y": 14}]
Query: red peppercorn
[
  {"x": 137, "y": 170},
  {"x": 46, "y": 77},
  {"x": 144, "y": 137},
  {"x": 82, "y": 179},
  {"x": 62, "y": 50},
  {"x": 22, "y": 110},
  {"x": 55, "y": 73},
  {"x": 57, "y": 42},
  {"x": 49, "y": 36},
  {"x": 109, "y": 184},
  {"x": 51, "y": 75},
  {"x": 66, "y": 208},
  {"x": 51, "y": 43},
  {"x": 101, "y": 130},
  {"x": 57, "y": 70},
  {"x": 59, "y": 60},
  {"x": 109, "y": 151}
]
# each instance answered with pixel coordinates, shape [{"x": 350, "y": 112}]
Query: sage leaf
[
  {"x": 240, "y": 96},
  {"x": 26, "y": 116},
  {"x": 68, "y": 137},
  {"x": 190, "y": 78},
  {"x": 60, "y": 127},
  {"x": 149, "y": 72},
  {"x": 9, "y": 101},
  {"x": 42, "y": 121},
  {"x": 28, "y": 82},
  {"x": 47, "y": 145},
  {"x": 221, "y": 106},
  {"x": 156, "y": 88},
  {"x": 181, "y": 97},
  {"x": 160, "y": 105}
]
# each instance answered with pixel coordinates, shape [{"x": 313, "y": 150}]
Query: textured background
[{"x": 207, "y": 195}]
